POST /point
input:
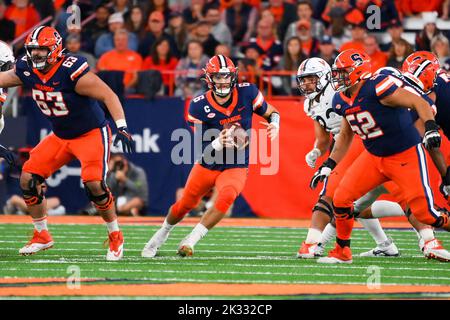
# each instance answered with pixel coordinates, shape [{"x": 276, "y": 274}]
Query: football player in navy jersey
[
  {"x": 6, "y": 63},
  {"x": 375, "y": 108},
  {"x": 221, "y": 165},
  {"x": 67, "y": 92},
  {"x": 422, "y": 69}
]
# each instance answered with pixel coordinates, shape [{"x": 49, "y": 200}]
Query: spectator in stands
[
  {"x": 7, "y": 26},
  {"x": 73, "y": 46},
  {"x": 98, "y": 26},
  {"x": 135, "y": 22},
  {"x": 121, "y": 6},
  {"x": 292, "y": 58},
  {"x": 45, "y": 8},
  {"x": 121, "y": 58},
  {"x": 388, "y": 12},
  {"x": 358, "y": 33},
  {"x": 128, "y": 184},
  {"x": 327, "y": 50},
  {"x": 202, "y": 33},
  {"x": 240, "y": 18},
  {"x": 430, "y": 30},
  {"x": 24, "y": 15},
  {"x": 223, "y": 49},
  {"x": 219, "y": 29},
  {"x": 305, "y": 12},
  {"x": 155, "y": 26},
  {"x": 377, "y": 57},
  {"x": 251, "y": 66},
  {"x": 162, "y": 59},
  {"x": 161, "y": 6},
  {"x": 193, "y": 13},
  {"x": 105, "y": 42},
  {"x": 445, "y": 9},
  {"x": 440, "y": 47},
  {"x": 413, "y": 7},
  {"x": 338, "y": 31},
  {"x": 178, "y": 30},
  {"x": 395, "y": 30},
  {"x": 285, "y": 13},
  {"x": 16, "y": 205},
  {"x": 266, "y": 40},
  {"x": 189, "y": 84},
  {"x": 310, "y": 45},
  {"x": 398, "y": 52},
  {"x": 334, "y": 6}
]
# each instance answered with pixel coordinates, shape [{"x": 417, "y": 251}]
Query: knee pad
[
  {"x": 225, "y": 198},
  {"x": 99, "y": 201},
  {"x": 32, "y": 196},
  {"x": 343, "y": 213},
  {"x": 324, "y": 207}
]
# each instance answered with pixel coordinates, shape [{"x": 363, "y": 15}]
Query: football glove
[
  {"x": 445, "y": 185},
  {"x": 7, "y": 155},
  {"x": 431, "y": 138},
  {"x": 323, "y": 172},
  {"x": 312, "y": 157},
  {"x": 126, "y": 139}
]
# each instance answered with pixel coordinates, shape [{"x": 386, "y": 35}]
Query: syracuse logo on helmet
[
  {"x": 43, "y": 38},
  {"x": 350, "y": 67}
]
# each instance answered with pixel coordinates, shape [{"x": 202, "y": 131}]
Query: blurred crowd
[{"x": 171, "y": 37}]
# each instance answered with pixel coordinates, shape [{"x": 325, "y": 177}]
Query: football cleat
[
  {"x": 115, "y": 250},
  {"x": 386, "y": 249},
  {"x": 309, "y": 251},
  {"x": 152, "y": 246},
  {"x": 337, "y": 255},
  {"x": 40, "y": 241},
  {"x": 433, "y": 249}
]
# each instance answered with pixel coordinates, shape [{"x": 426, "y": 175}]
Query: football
[{"x": 240, "y": 136}]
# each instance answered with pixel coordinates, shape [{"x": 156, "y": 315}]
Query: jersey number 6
[{"x": 42, "y": 98}]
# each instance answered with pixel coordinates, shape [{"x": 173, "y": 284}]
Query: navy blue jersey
[
  {"x": 442, "y": 90},
  {"x": 70, "y": 114},
  {"x": 209, "y": 118},
  {"x": 384, "y": 130},
  {"x": 409, "y": 85}
]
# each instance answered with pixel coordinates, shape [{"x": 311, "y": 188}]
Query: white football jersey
[{"x": 323, "y": 112}]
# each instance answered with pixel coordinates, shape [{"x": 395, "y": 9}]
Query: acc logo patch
[
  {"x": 211, "y": 115},
  {"x": 26, "y": 73},
  {"x": 338, "y": 106}
]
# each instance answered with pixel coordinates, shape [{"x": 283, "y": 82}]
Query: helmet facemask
[
  {"x": 222, "y": 82},
  {"x": 38, "y": 61},
  {"x": 341, "y": 78},
  {"x": 318, "y": 79}
]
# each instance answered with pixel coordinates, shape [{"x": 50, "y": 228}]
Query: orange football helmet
[
  {"x": 422, "y": 68},
  {"x": 43, "y": 38},
  {"x": 221, "y": 68},
  {"x": 350, "y": 67}
]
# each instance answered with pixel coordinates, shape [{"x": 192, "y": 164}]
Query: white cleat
[
  {"x": 152, "y": 246},
  {"x": 310, "y": 250},
  {"x": 433, "y": 249},
  {"x": 115, "y": 250},
  {"x": 386, "y": 249},
  {"x": 185, "y": 248},
  {"x": 333, "y": 260},
  {"x": 40, "y": 241}
]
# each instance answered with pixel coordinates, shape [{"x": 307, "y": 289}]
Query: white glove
[
  {"x": 312, "y": 156},
  {"x": 2, "y": 123}
]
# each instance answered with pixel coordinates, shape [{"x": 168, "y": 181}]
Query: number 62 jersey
[{"x": 70, "y": 113}]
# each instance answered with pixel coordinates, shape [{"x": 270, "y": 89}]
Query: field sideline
[{"x": 240, "y": 259}]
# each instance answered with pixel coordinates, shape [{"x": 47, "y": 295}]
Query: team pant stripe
[
  {"x": 425, "y": 181},
  {"x": 105, "y": 141}
]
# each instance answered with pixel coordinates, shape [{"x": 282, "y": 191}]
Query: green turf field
[{"x": 226, "y": 255}]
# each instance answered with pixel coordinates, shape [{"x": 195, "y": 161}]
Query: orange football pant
[
  {"x": 407, "y": 169},
  {"x": 91, "y": 149},
  {"x": 229, "y": 184}
]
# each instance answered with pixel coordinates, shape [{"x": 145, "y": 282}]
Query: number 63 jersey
[
  {"x": 70, "y": 113},
  {"x": 384, "y": 130}
]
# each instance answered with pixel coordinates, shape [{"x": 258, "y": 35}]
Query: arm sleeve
[
  {"x": 384, "y": 86},
  {"x": 259, "y": 104}
]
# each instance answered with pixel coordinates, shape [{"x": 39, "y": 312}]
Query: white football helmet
[
  {"x": 6, "y": 57},
  {"x": 313, "y": 67}
]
